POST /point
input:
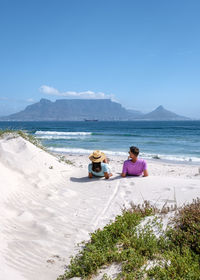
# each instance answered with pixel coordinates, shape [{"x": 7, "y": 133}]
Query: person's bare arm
[
  {"x": 90, "y": 175},
  {"x": 123, "y": 174},
  {"x": 106, "y": 175},
  {"x": 145, "y": 173},
  {"x": 106, "y": 160}
]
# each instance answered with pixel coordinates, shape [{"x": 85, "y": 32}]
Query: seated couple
[{"x": 132, "y": 166}]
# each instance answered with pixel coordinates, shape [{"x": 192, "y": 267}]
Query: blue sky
[{"x": 140, "y": 53}]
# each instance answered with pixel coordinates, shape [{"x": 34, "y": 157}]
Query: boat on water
[{"x": 90, "y": 120}]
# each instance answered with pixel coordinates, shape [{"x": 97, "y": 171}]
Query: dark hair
[
  {"x": 96, "y": 166},
  {"x": 134, "y": 150}
]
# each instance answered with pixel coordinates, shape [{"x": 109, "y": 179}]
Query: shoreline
[
  {"x": 152, "y": 160},
  {"x": 109, "y": 153}
]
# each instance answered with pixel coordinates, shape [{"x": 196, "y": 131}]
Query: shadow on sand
[{"x": 88, "y": 180}]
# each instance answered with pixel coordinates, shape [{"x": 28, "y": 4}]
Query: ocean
[{"x": 166, "y": 140}]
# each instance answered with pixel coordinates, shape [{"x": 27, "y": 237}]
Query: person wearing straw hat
[{"x": 99, "y": 166}]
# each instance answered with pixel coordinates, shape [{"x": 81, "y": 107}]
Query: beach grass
[
  {"x": 32, "y": 139},
  {"x": 139, "y": 251},
  {"x": 23, "y": 134}
]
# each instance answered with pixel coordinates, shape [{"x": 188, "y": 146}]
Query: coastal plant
[
  {"x": 6, "y": 131},
  {"x": 67, "y": 161},
  {"x": 23, "y": 134},
  {"x": 178, "y": 264},
  {"x": 106, "y": 277},
  {"x": 141, "y": 254},
  {"x": 185, "y": 230},
  {"x": 115, "y": 243},
  {"x": 32, "y": 139}
]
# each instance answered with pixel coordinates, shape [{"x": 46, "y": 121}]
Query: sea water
[{"x": 167, "y": 140}]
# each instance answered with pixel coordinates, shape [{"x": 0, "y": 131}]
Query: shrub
[
  {"x": 104, "y": 246},
  {"x": 186, "y": 227},
  {"x": 173, "y": 255}
]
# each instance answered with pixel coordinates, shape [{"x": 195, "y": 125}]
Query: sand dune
[{"x": 47, "y": 207}]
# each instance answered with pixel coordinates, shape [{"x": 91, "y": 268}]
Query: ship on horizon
[{"x": 90, "y": 120}]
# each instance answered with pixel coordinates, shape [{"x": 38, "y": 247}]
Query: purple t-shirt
[{"x": 137, "y": 168}]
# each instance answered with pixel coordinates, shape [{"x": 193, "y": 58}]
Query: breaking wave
[
  {"x": 59, "y": 134},
  {"x": 83, "y": 151},
  {"x": 176, "y": 158}
]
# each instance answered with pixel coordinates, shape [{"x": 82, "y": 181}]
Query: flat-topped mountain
[
  {"x": 86, "y": 109},
  {"x": 72, "y": 110},
  {"x": 160, "y": 113}
]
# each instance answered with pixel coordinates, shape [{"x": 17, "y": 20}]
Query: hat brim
[{"x": 103, "y": 156}]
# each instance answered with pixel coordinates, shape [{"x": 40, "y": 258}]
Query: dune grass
[
  {"x": 23, "y": 134},
  {"x": 142, "y": 254},
  {"x": 32, "y": 139}
]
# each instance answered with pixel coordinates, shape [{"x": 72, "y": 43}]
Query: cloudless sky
[{"x": 142, "y": 53}]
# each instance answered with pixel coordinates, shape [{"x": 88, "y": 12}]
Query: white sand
[{"x": 47, "y": 207}]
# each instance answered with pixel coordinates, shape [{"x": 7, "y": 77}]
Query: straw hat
[{"x": 97, "y": 156}]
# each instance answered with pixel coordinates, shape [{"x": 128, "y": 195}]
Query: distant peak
[{"x": 160, "y": 108}]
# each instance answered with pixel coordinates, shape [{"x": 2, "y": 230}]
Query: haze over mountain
[{"x": 90, "y": 109}]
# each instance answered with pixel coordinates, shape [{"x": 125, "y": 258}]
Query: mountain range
[{"x": 86, "y": 109}]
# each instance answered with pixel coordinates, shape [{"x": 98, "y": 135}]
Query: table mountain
[
  {"x": 86, "y": 109},
  {"x": 73, "y": 110}
]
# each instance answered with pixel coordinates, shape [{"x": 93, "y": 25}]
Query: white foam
[
  {"x": 84, "y": 151},
  {"x": 176, "y": 158},
  {"x": 41, "y": 132},
  {"x": 121, "y": 153},
  {"x": 70, "y": 150},
  {"x": 57, "y": 137}
]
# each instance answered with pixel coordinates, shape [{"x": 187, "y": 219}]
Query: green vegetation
[
  {"x": 33, "y": 140},
  {"x": 7, "y": 131},
  {"x": 23, "y": 134},
  {"x": 67, "y": 161},
  {"x": 172, "y": 254}
]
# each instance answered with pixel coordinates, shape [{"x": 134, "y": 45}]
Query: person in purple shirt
[{"x": 134, "y": 166}]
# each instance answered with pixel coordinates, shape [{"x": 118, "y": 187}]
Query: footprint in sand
[
  {"x": 49, "y": 196},
  {"x": 188, "y": 189},
  {"x": 169, "y": 200},
  {"x": 166, "y": 189},
  {"x": 128, "y": 192},
  {"x": 67, "y": 235},
  {"x": 191, "y": 188}
]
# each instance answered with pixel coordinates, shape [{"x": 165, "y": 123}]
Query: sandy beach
[{"x": 48, "y": 206}]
